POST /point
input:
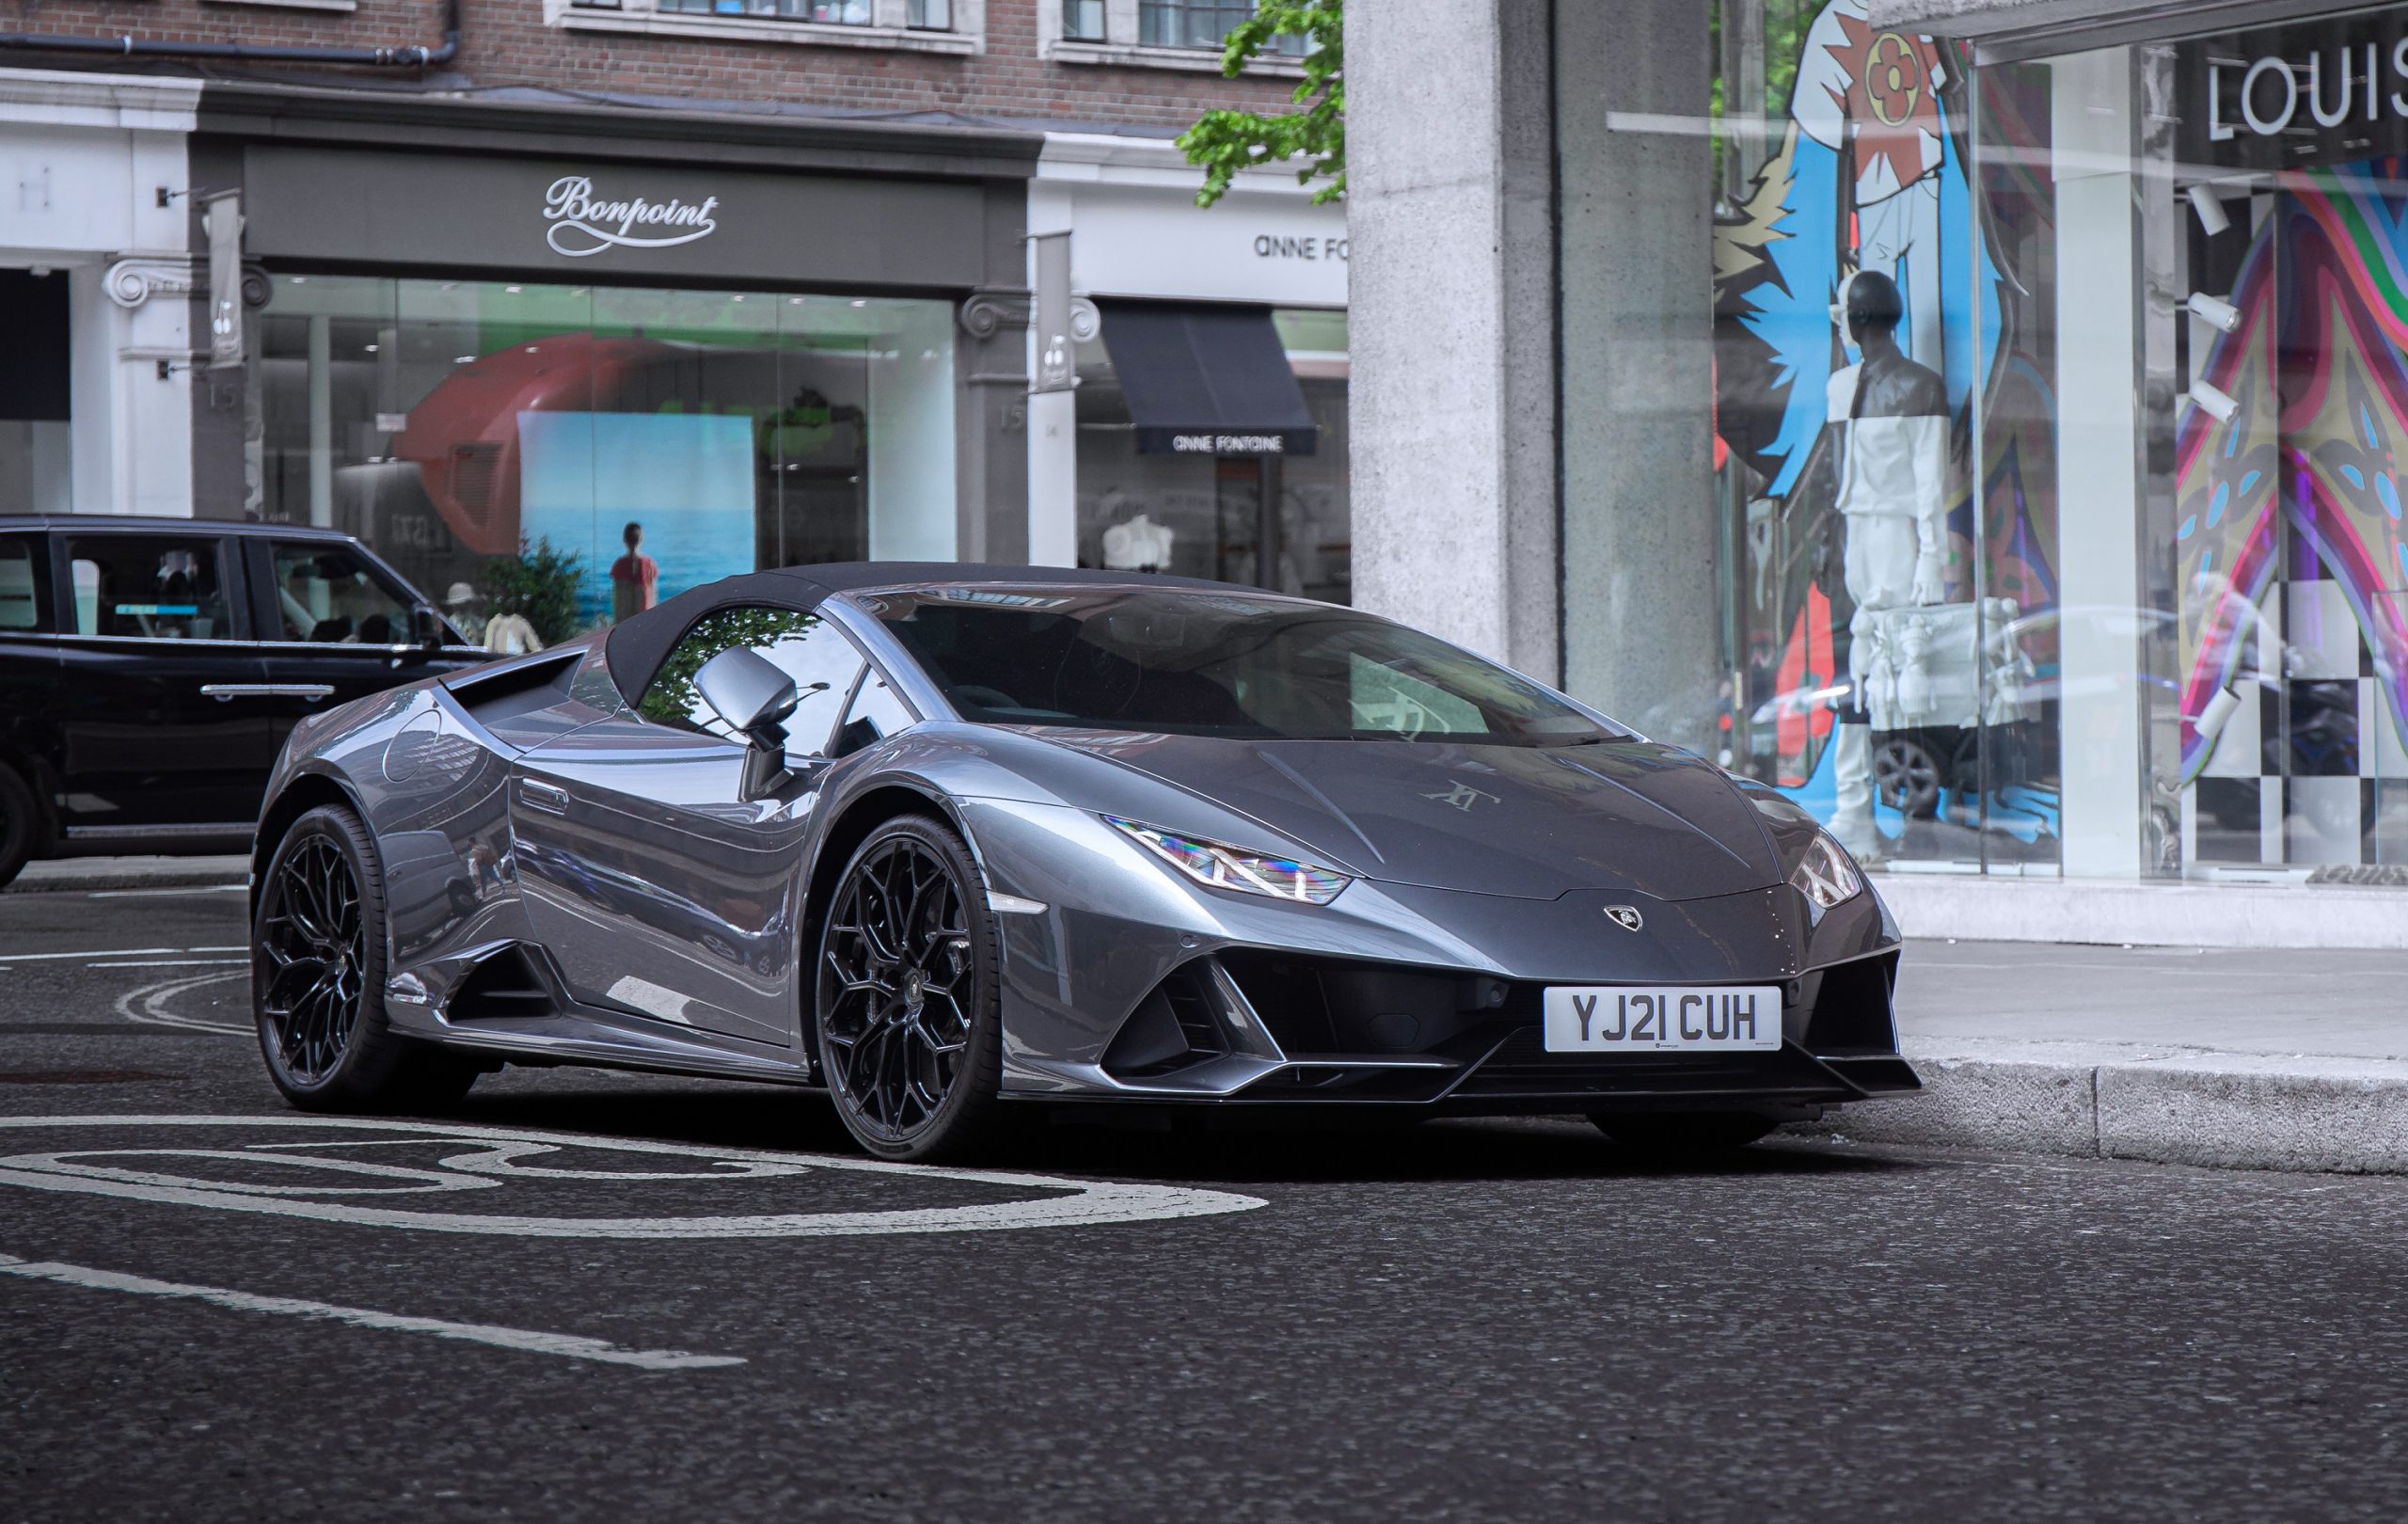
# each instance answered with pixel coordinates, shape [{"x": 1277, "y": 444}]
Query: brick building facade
[{"x": 753, "y": 273}]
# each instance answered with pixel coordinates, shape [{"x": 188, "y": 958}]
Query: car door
[
  {"x": 161, "y": 726},
  {"x": 334, "y": 627},
  {"x": 29, "y": 689},
  {"x": 661, "y": 891}
]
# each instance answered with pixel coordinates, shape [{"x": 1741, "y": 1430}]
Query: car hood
[{"x": 1532, "y": 822}]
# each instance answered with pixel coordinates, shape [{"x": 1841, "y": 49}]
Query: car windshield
[{"x": 1214, "y": 664}]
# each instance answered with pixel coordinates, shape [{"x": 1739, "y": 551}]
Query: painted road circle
[{"x": 175, "y": 1175}]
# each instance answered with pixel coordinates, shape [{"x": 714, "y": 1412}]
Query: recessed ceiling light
[
  {"x": 514, "y": 290},
  {"x": 861, "y": 301},
  {"x": 462, "y": 359},
  {"x": 371, "y": 348}
]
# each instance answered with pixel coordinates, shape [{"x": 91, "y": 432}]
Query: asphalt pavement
[{"x": 589, "y": 1296}]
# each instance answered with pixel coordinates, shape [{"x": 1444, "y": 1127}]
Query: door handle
[
  {"x": 544, "y": 797},
  {"x": 227, "y": 693}
]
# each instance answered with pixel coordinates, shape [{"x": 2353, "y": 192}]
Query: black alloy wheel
[
  {"x": 318, "y": 980},
  {"x": 313, "y": 939},
  {"x": 908, "y": 1014}
]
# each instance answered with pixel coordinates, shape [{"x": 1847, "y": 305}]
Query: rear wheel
[
  {"x": 909, "y": 1014},
  {"x": 318, "y": 980},
  {"x": 19, "y": 824},
  {"x": 1681, "y": 1134}
]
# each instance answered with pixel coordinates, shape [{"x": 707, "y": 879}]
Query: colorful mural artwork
[
  {"x": 2315, "y": 441},
  {"x": 1869, "y": 172}
]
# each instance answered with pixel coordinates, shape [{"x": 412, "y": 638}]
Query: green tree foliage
[
  {"x": 672, "y": 700},
  {"x": 539, "y": 582},
  {"x": 1225, "y": 143}
]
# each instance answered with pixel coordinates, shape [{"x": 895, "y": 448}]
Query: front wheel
[
  {"x": 910, "y": 1001},
  {"x": 318, "y": 980},
  {"x": 1672, "y": 1135}
]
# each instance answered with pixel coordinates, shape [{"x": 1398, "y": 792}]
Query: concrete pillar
[
  {"x": 1641, "y": 637},
  {"x": 1451, "y": 322},
  {"x": 322, "y": 421}
]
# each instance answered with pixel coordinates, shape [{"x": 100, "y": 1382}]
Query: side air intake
[{"x": 506, "y": 983}]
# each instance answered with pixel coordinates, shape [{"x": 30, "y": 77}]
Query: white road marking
[
  {"x": 1052, "y": 1201},
  {"x": 142, "y": 893},
  {"x": 173, "y": 962},
  {"x": 147, "y": 1004},
  {"x": 96, "y": 952},
  {"x": 569, "y": 1346}
]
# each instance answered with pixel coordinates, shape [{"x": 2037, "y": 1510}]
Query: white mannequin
[
  {"x": 1140, "y": 545},
  {"x": 1893, "y": 418}
]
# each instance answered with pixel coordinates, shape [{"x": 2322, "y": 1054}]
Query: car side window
[
  {"x": 159, "y": 587},
  {"x": 806, "y": 646},
  {"x": 327, "y": 594},
  {"x": 878, "y": 711},
  {"x": 24, "y": 583}
]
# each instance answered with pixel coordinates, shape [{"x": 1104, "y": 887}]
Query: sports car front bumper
[{"x": 1136, "y": 987}]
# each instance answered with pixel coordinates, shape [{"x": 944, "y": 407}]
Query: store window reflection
[
  {"x": 449, "y": 422},
  {"x": 1889, "y": 611},
  {"x": 1199, "y": 517}
]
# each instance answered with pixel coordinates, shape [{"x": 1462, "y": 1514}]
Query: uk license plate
[{"x": 1674, "y": 1019}]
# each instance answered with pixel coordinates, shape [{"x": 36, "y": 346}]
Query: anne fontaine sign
[{"x": 584, "y": 224}]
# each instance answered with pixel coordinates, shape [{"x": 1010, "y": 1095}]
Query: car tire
[
  {"x": 1671, "y": 1134},
  {"x": 20, "y": 824},
  {"x": 907, "y": 1023},
  {"x": 318, "y": 980}
]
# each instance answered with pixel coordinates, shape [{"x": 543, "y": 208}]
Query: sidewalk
[
  {"x": 83, "y": 875},
  {"x": 2237, "y": 1058}
]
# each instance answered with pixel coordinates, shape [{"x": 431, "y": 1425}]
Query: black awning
[{"x": 1206, "y": 380}]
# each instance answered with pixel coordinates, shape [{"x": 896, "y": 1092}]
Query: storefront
[
  {"x": 2065, "y": 540},
  {"x": 96, "y": 286},
  {"x": 759, "y": 345},
  {"x": 1208, "y": 345}
]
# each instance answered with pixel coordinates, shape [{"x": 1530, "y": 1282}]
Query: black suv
[{"x": 151, "y": 669}]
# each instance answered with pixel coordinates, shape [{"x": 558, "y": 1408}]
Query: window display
[{"x": 449, "y": 423}]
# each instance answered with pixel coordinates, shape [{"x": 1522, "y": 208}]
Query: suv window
[
  {"x": 804, "y": 646},
  {"x": 25, "y": 578},
  {"x": 326, "y": 594},
  {"x": 159, "y": 587}
]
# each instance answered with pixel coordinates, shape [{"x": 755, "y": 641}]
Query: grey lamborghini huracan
[{"x": 950, "y": 841}]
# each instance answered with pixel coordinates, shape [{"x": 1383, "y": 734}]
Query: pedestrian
[
  {"x": 634, "y": 578},
  {"x": 460, "y": 606}
]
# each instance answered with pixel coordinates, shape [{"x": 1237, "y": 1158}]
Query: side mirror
[
  {"x": 426, "y": 627},
  {"x": 747, "y": 690}
]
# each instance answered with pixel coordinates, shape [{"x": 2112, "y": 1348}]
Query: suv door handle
[
  {"x": 544, "y": 797},
  {"x": 226, "y": 692}
]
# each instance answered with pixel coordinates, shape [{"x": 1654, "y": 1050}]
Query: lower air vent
[
  {"x": 1171, "y": 1029},
  {"x": 1849, "y": 1006},
  {"x": 506, "y": 984}
]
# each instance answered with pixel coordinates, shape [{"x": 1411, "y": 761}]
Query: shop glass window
[
  {"x": 1194, "y": 515},
  {"x": 25, "y": 577},
  {"x": 825, "y": 12},
  {"x": 35, "y": 433},
  {"x": 450, "y": 423},
  {"x": 148, "y": 587},
  {"x": 1082, "y": 20},
  {"x": 822, "y": 661},
  {"x": 326, "y": 594},
  {"x": 1199, "y": 24}
]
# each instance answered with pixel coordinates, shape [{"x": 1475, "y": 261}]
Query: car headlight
[
  {"x": 1825, "y": 875},
  {"x": 1219, "y": 867}
]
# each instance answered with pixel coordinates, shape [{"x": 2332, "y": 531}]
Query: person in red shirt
[{"x": 635, "y": 578}]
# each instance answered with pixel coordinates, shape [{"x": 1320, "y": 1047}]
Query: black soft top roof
[{"x": 635, "y": 649}]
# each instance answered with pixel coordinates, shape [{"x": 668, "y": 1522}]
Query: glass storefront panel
[
  {"x": 449, "y": 423},
  {"x": 1196, "y": 516},
  {"x": 1888, "y": 611}
]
